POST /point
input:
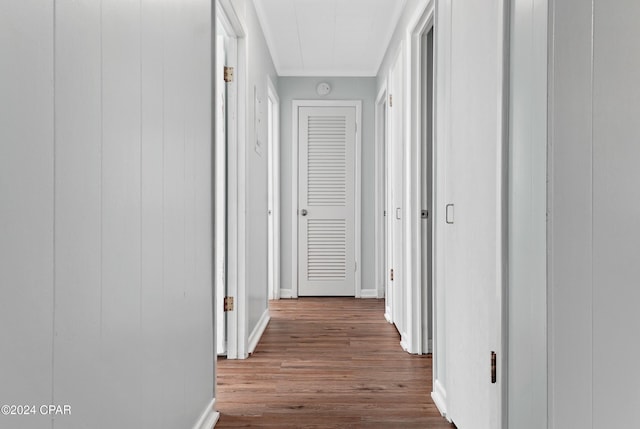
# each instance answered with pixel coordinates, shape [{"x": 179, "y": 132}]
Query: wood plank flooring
[{"x": 327, "y": 363}]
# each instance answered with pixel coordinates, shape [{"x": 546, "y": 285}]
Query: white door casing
[
  {"x": 236, "y": 335},
  {"x": 220, "y": 174},
  {"x": 380, "y": 201},
  {"x": 273, "y": 149},
  {"x": 327, "y": 233}
]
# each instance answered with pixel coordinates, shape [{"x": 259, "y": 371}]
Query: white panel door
[
  {"x": 326, "y": 187},
  {"x": 472, "y": 233},
  {"x": 396, "y": 185}
]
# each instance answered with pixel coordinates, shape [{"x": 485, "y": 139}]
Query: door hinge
[
  {"x": 391, "y": 276},
  {"x": 390, "y": 100},
  {"x": 494, "y": 367},
  {"x": 228, "y": 303},
  {"x": 228, "y": 74}
]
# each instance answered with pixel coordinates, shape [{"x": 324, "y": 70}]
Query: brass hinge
[
  {"x": 494, "y": 367},
  {"x": 391, "y": 277},
  {"x": 390, "y": 100},
  {"x": 228, "y": 74},
  {"x": 228, "y": 303}
]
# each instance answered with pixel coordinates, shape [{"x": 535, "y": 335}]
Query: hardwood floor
[{"x": 327, "y": 363}]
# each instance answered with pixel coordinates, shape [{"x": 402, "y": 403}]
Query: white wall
[
  {"x": 106, "y": 238},
  {"x": 594, "y": 227},
  {"x": 342, "y": 88},
  {"x": 527, "y": 198},
  {"x": 259, "y": 65}
]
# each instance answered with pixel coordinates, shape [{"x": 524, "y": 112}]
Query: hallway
[{"x": 331, "y": 363}]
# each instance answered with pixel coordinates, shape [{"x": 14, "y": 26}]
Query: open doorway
[{"x": 426, "y": 185}]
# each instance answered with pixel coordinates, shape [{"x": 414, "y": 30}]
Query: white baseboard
[
  {"x": 388, "y": 317},
  {"x": 439, "y": 396},
  {"x": 404, "y": 345},
  {"x": 257, "y": 332},
  {"x": 368, "y": 293},
  {"x": 209, "y": 417},
  {"x": 286, "y": 294}
]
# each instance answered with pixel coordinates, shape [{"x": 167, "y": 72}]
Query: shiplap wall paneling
[
  {"x": 570, "y": 234},
  {"x": 152, "y": 317},
  {"x": 121, "y": 253},
  {"x": 616, "y": 213},
  {"x": 78, "y": 209},
  {"x": 26, "y": 208}
]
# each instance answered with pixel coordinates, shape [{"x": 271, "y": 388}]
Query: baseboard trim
[
  {"x": 257, "y": 332},
  {"x": 388, "y": 317},
  {"x": 209, "y": 417},
  {"x": 368, "y": 293},
  {"x": 404, "y": 345},
  {"x": 286, "y": 294},
  {"x": 439, "y": 397}
]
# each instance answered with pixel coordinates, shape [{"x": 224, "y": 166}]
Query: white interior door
[
  {"x": 396, "y": 185},
  {"x": 326, "y": 201},
  {"x": 388, "y": 263},
  {"x": 473, "y": 232}
]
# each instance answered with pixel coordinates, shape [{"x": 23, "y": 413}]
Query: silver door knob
[{"x": 303, "y": 212}]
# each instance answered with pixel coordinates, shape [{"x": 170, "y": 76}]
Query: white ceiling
[{"x": 328, "y": 37}]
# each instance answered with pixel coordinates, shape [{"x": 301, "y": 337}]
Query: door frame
[
  {"x": 380, "y": 199},
  {"x": 237, "y": 338},
  {"x": 295, "y": 106},
  {"x": 273, "y": 150},
  {"x": 220, "y": 180},
  {"x": 417, "y": 312},
  {"x": 423, "y": 193}
]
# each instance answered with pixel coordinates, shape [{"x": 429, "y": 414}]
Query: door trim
[
  {"x": 295, "y": 105},
  {"x": 274, "y": 150},
  {"x": 415, "y": 306},
  {"x": 379, "y": 197},
  {"x": 237, "y": 337}
]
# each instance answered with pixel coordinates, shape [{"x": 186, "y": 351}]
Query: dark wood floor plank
[{"x": 327, "y": 363}]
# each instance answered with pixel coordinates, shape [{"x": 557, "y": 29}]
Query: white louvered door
[{"x": 326, "y": 221}]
